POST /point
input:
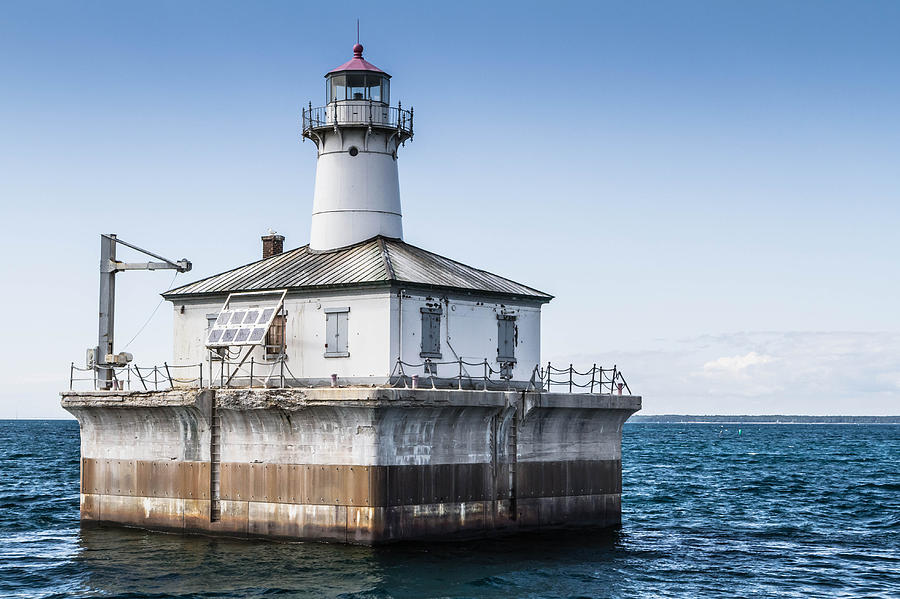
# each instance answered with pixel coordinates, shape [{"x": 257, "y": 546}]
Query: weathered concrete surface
[{"x": 355, "y": 464}]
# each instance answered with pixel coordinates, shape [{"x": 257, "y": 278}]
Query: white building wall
[
  {"x": 468, "y": 331},
  {"x": 368, "y": 330},
  {"x": 377, "y": 335}
]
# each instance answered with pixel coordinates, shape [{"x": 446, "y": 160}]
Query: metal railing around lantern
[{"x": 364, "y": 113}]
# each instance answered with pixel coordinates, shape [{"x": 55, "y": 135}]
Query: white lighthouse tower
[{"x": 357, "y": 134}]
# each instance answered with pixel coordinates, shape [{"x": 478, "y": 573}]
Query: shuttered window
[
  {"x": 431, "y": 333},
  {"x": 506, "y": 338},
  {"x": 275, "y": 336},
  {"x": 336, "y": 336}
]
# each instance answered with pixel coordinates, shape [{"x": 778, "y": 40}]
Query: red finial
[{"x": 357, "y": 51}]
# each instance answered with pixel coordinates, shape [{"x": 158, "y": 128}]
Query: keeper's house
[{"x": 353, "y": 311}]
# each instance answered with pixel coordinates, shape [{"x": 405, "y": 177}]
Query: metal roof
[
  {"x": 374, "y": 262},
  {"x": 357, "y": 63}
]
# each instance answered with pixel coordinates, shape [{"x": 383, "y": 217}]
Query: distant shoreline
[{"x": 766, "y": 419}]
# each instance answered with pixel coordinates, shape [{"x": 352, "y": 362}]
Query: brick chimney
[{"x": 273, "y": 244}]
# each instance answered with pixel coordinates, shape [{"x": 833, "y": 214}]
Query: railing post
[
  {"x": 571, "y": 370},
  {"x": 459, "y": 377},
  {"x": 593, "y": 371},
  {"x": 282, "y": 370},
  {"x": 155, "y": 379},
  {"x": 612, "y": 382},
  {"x": 250, "y": 386},
  {"x": 548, "y": 377},
  {"x": 137, "y": 371},
  {"x": 485, "y": 374},
  {"x": 71, "y": 375},
  {"x": 128, "y": 375},
  {"x": 201, "y": 373},
  {"x": 169, "y": 374}
]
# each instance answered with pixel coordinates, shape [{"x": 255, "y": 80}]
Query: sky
[{"x": 710, "y": 190}]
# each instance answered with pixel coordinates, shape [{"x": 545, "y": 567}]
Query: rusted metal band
[{"x": 351, "y": 485}]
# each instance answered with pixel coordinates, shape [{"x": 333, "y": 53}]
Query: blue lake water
[{"x": 777, "y": 510}]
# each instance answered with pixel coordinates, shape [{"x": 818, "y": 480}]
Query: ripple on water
[{"x": 789, "y": 510}]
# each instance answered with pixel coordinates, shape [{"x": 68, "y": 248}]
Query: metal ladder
[
  {"x": 511, "y": 453},
  {"x": 215, "y": 459}
]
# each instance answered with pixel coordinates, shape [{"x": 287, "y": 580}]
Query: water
[{"x": 779, "y": 510}]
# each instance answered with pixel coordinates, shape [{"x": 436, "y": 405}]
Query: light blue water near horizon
[{"x": 708, "y": 510}]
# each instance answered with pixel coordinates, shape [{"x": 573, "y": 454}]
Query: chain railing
[
  {"x": 596, "y": 379},
  {"x": 403, "y": 375},
  {"x": 359, "y": 113},
  {"x": 219, "y": 373},
  {"x": 459, "y": 374},
  {"x": 132, "y": 377}
]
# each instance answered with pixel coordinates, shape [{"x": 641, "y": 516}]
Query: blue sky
[{"x": 710, "y": 189}]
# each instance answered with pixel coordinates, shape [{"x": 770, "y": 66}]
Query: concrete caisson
[{"x": 364, "y": 465}]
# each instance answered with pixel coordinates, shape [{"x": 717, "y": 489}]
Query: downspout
[{"x": 400, "y": 325}]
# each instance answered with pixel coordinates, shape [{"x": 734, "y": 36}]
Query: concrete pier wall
[{"x": 355, "y": 464}]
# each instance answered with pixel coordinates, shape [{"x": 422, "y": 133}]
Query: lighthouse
[
  {"x": 358, "y": 388},
  {"x": 358, "y": 136}
]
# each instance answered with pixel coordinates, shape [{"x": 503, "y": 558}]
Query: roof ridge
[
  {"x": 236, "y": 268},
  {"x": 366, "y": 241},
  {"x": 378, "y": 260},
  {"x": 464, "y": 265},
  {"x": 385, "y": 256}
]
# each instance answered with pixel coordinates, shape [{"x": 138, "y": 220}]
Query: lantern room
[{"x": 357, "y": 79}]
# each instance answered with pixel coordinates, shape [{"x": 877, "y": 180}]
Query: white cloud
[
  {"x": 763, "y": 373},
  {"x": 735, "y": 365}
]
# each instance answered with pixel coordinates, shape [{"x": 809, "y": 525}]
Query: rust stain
[{"x": 349, "y": 485}]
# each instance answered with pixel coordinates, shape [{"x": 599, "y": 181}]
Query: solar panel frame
[{"x": 239, "y": 326}]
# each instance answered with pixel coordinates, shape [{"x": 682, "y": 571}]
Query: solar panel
[{"x": 244, "y": 326}]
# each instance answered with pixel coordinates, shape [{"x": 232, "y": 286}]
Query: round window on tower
[{"x": 354, "y": 150}]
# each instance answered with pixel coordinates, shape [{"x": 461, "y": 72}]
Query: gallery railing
[{"x": 358, "y": 113}]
